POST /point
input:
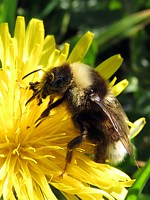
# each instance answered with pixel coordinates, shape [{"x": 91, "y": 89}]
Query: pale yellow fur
[
  {"x": 116, "y": 152},
  {"x": 81, "y": 74}
]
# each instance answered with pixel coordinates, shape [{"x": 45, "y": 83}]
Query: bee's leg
[
  {"x": 50, "y": 106},
  {"x": 44, "y": 114},
  {"x": 33, "y": 86},
  {"x": 76, "y": 141},
  {"x": 100, "y": 152},
  {"x": 71, "y": 146}
]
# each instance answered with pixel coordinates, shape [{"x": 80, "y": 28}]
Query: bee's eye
[{"x": 58, "y": 82}]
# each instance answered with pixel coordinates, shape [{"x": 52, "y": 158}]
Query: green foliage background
[{"x": 119, "y": 27}]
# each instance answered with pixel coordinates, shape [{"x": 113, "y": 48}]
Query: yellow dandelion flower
[{"x": 33, "y": 158}]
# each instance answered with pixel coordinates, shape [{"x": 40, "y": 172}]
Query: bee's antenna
[{"x": 31, "y": 73}]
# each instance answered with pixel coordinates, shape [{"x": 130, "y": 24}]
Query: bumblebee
[{"x": 94, "y": 109}]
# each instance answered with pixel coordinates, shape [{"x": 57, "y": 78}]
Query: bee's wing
[{"x": 117, "y": 117}]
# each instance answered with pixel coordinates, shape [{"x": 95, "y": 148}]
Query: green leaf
[
  {"x": 121, "y": 29},
  {"x": 9, "y": 12},
  {"x": 144, "y": 197},
  {"x": 51, "y": 5},
  {"x": 139, "y": 184}
]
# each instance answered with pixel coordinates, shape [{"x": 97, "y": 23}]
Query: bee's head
[{"x": 56, "y": 81}]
